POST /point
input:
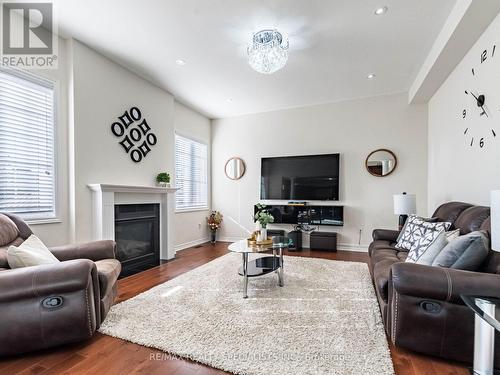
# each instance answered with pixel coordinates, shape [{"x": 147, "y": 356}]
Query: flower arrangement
[
  {"x": 263, "y": 216},
  {"x": 214, "y": 221}
]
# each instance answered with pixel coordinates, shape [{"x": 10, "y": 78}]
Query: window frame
[
  {"x": 50, "y": 83},
  {"x": 193, "y": 139}
]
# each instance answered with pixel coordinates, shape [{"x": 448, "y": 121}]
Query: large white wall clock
[{"x": 481, "y": 112}]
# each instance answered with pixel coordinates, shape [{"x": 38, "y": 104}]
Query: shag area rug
[{"x": 325, "y": 320}]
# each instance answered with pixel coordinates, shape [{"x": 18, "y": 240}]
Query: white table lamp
[{"x": 404, "y": 205}]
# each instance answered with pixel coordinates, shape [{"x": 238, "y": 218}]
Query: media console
[{"x": 306, "y": 214}]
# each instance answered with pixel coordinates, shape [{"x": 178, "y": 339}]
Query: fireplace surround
[{"x": 106, "y": 197}]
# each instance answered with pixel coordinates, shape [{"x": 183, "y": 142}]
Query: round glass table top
[{"x": 242, "y": 246}]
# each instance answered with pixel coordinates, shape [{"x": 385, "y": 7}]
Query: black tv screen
[{"x": 312, "y": 177}]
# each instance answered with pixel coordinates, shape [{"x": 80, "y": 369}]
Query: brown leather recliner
[
  {"x": 49, "y": 305},
  {"x": 421, "y": 305}
]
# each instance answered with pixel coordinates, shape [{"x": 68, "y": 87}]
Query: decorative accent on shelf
[
  {"x": 139, "y": 131},
  {"x": 163, "y": 179},
  {"x": 214, "y": 222},
  {"x": 268, "y": 52},
  {"x": 404, "y": 205},
  {"x": 381, "y": 162}
]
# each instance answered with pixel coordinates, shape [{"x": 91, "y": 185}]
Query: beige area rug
[{"x": 325, "y": 320}]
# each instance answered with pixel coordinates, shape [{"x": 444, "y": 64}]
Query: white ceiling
[{"x": 334, "y": 45}]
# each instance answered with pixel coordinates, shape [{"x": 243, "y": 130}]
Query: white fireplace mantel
[{"x": 106, "y": 196}]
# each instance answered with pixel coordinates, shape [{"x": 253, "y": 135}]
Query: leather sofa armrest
[
  {"x": 385, "y": 235},
  {"x": 46, "y": 279},
  {"x": 97, "y": 250},
  {"x": 444, "y": 284}
]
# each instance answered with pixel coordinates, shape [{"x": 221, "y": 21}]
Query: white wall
[
  {"x": 458, "y": 171},
  {"x": 191, "y": 227},
  {"x": 102, "y": 91},
  {"x": 352, "y": 128}
]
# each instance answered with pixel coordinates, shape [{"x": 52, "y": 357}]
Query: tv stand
[{"x": 306, "y": 214}]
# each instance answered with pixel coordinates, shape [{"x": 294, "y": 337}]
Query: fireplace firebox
[{"x": 137, "y": 236}]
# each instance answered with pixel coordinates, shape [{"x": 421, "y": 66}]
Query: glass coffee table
[{"x": 264, "y": 264}]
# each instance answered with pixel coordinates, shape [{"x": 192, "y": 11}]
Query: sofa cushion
[
  {"x": 472, "y": 219},
  {"x": 31, "y": 252},
  {"x": 8, "y": 230},
  {"x": 108, "y": 271},
  {"x": 465, "y": 252},
  {"x": 450, "y": 211}
]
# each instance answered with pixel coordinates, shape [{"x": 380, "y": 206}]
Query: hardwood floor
[{"x": 107, "y": 355}]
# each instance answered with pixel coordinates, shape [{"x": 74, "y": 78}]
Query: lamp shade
[
  {"x": 405, "y": 204},
  {"x": 495, "y": 220}
]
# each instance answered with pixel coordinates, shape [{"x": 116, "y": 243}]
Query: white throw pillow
[
  {"x": 432, "y": 251},
  {"x": 31, "y": 252}
]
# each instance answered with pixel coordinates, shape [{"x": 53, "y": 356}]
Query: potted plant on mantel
[
  {"x": 214, "y": 222},
  {"x": 163, "y": 179},
  {"x": 263, "y": 217}
]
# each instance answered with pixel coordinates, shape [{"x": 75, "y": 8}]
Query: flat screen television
[{"x": 310, "y": 177}]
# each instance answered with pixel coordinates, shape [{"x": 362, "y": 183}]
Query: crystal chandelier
[{"x": 268, "y": 52}]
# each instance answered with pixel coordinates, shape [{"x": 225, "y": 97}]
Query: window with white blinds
[
  {"x": 27, "y": 183},
  {"x": 191, "y": 174}
]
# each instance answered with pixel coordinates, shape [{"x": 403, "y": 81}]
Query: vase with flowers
[
  {"x": 214, "y": 222},
  {"x": 263, "y": 217}
]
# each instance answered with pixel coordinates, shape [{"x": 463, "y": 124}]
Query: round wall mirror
[
  {"x": 234, "y": 168},
  {"x": 381, "y": 162}
]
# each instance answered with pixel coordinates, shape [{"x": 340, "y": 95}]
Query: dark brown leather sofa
[
  {"x": 421, "y": 305},
  {"x": 49, "y": 305}
]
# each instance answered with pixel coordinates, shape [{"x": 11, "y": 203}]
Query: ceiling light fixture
[
  {"x": 381, "y": 11},
  {"x": 371, "y": 76},
  {"x": 268, "y": 52},
  {"x": 180, "y": 62}
]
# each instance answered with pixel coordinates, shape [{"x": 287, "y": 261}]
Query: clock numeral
[
  {"x": 464, "y": 113},
  {"x": 481, "y": 142},
  {"x": 466, "y": 130},
  {"x": 494, "y": 134},
  {"x": 472, "y": 141},
  {"x": 473, "y": 72},
  {"x": 484, "y": 55},
  {"x": 493, "y": 52}
]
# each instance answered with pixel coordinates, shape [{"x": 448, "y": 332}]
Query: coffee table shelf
[{"x": 261, "y": 266}]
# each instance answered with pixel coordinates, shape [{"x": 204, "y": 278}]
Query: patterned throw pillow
[
  {"x": 418, "y": 234},
  {"x": 427, "y": 257}
]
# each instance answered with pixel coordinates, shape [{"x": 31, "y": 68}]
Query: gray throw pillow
[{"x": 465, "y": 252}]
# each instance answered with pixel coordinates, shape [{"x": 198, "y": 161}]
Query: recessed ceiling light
[
  {"x": 371, "y": 76},
  {"x": 381, "y": 11},
  {"x": 180, "y": 62}
]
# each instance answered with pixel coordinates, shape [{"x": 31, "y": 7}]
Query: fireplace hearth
[{"x": 137, "y": 236}]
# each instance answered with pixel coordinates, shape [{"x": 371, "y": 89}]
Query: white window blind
[
  {"x": 27, "y": 184},
  {"x": 191, "y": 164}
]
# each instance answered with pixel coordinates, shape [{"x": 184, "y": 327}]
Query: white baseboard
[
  {"x": 189, "y": 244},
  {"x": 342, "y": 246},
  {"x": 352, "y": 247}
]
